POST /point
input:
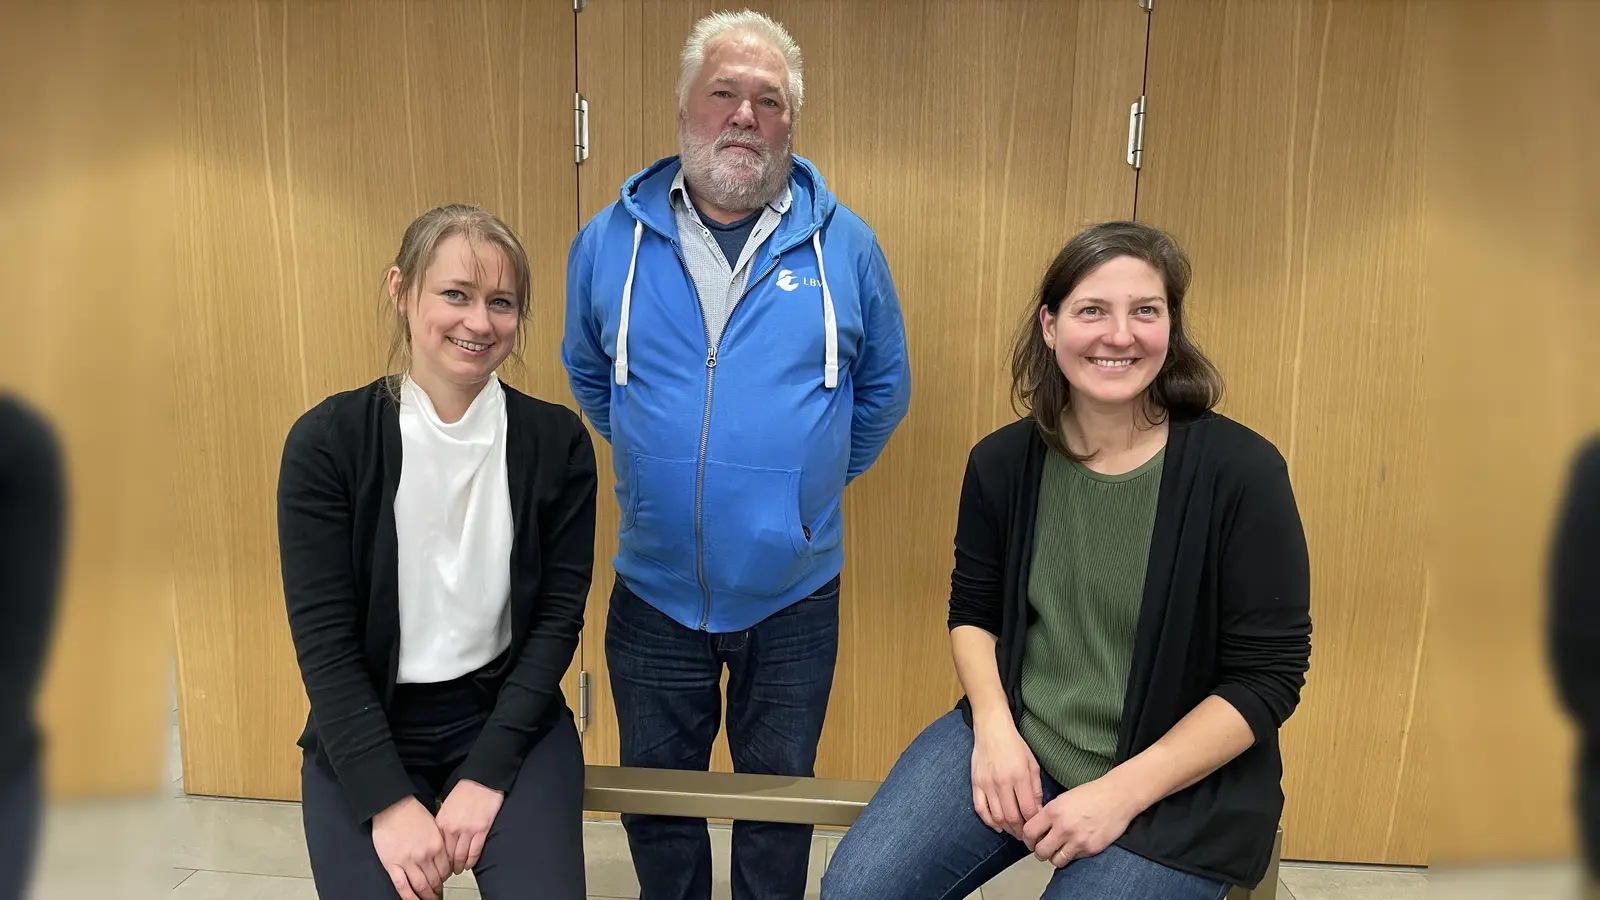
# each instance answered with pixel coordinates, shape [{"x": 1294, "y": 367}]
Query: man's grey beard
[{"x": 726, "y": 182}]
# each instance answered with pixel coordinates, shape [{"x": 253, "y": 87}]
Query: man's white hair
[{"x": 722, "y": 24}]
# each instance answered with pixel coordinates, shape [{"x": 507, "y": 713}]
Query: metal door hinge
[
  {"x": 583, "y": 700},
  {"x": 580, "y": 129},
  {"x": 1136, "y": 133},
  {"x": 1145, "y": 5},
  {"x": 578, "y": 5}
]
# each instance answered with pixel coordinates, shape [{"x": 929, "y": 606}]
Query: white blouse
[{"x": 452, "y": 517}]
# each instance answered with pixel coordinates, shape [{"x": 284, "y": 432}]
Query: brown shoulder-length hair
[{"x": 1187, "y": 382}]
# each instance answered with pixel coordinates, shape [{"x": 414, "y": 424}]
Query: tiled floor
[{"x": 250, "y": 850}]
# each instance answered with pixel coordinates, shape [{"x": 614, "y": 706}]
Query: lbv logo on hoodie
[{"x": 788, "y": 280}]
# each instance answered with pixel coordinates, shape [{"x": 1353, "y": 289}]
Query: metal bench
[{"x": 766, "y": 798}]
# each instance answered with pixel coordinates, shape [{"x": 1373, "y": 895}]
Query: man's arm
[
  {"x": 582, "y": 350},
  {"x": 882, "y": 372}
]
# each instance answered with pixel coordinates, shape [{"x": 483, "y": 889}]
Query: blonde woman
[{"x": 436, "y": 533}]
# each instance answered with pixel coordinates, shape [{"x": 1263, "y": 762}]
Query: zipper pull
[{"x": 711, "y": 358}]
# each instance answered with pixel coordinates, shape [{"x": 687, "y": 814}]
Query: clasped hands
[
  {"x": 1007, "y": 795},
  {"x": 419, "y": 851}
]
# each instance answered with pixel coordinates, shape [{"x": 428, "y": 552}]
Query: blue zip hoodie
[{"x": 731, "y": 461}]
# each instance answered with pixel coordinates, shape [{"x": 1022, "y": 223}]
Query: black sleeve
[
  {"x": 33, "y": 519},
  {"x": 1575, "y": 593},
  {"x": 566, "y": 545},
  {"x": 319, "y": 588},
  {"x": 977, "y": 583},
  {"x": 1265, "y": 603}
]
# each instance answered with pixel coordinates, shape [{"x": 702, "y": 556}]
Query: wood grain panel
[
  {"x": 975, "y": 139},
  {"x": 609, "y": 65},
  {"x": 1283, "y": 150},
  {"x": 86, "y": 200},
  {"x": 1513, "y": 220},
  {"x": 1408, "y": 835},
  {"x": 313, "y": 134}
]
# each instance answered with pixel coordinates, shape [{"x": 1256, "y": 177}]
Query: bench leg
[{"x": 1268, "y": 890}]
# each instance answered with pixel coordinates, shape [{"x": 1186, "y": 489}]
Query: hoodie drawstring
[
  {"x": 830, "y": 324},
  {"x": 627, "y": 306}
]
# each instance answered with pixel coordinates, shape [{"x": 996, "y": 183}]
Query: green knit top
[{"x": 1085, "y": 585}]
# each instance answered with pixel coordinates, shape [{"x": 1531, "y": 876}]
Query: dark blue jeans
[
  {"x": 666, "y": 681},
  {"x": 919, "y": 839}
]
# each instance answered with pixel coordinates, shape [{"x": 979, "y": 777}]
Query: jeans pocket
[{"x": 750, "y": 518}]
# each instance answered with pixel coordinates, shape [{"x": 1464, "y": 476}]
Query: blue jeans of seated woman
[{"x": 919, "y": 839}]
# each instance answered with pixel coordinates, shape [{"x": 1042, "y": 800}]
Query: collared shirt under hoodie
[
  {"x": 719, "y": 281},
  {"x": 452, "y": 516}
]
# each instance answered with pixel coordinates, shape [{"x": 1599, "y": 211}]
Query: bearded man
[{"x": 734, "y": 332}]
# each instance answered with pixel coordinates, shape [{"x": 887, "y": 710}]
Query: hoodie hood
[{"x": 645, "y": 197}]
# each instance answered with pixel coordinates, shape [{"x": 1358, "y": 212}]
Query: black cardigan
[
  {"x": 1575, "y": 632},
  {"x": 337, "y": 543},
  {"x": 1225, "y": 612}
]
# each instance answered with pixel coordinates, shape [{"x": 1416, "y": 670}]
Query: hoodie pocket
[
  {"x": 750, "y": 520},
  {"x": 658, "y": 512}
]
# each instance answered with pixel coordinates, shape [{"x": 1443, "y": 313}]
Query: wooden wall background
[
  {"x": 85, "y": 334},
  {"x": 1514, "y": 323},
  {"x": 313, "y": 134},
  {"x": 1292, "y": 147},
  {"x": 1283, "y": 149}
]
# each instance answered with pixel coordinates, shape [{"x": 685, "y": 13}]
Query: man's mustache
[{"x": 755, "y": 144}]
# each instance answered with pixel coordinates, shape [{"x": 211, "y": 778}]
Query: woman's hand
[
  {"x": 1081, "y": 822},
  {"x": 1006, "y": 792},
  {"x": 464, "y": 820},
  {"x": 411, "y": 849}
]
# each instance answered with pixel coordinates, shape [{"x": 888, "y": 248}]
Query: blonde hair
[
  {"x": 422, "y": 239},
  {"x": 721, "y": 24}
]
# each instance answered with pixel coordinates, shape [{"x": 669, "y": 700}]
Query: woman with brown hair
[
  {"x": 1128, "y": 615},
  {"x": 436, "y": 533}
]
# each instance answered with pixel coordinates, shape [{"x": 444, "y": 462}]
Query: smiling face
[
  {"x": 735, "y": 125},
  {"x": 463, "y": 314},
  {"x": 1110, "y": 334}
]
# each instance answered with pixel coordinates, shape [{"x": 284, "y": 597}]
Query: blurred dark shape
[
  {"x": 1575, "y": 633},
  {"x": 32, "y": 538}
]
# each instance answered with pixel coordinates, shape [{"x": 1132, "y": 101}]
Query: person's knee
[
  {"x": 782, "y": 743},
  {"x": 844, "y": 883},
  {"x": 873, "y": 863},
  {"x": 770, "y": 754},
  {"x": 856, "y": 873},
  {"x": 668, "y": 751}
]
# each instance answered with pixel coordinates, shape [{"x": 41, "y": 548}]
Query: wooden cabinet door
[
  {"x": 975, "y": 139},
  {"x": 1283, "y": 150},
  {"x": 313, "y": 133}
]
